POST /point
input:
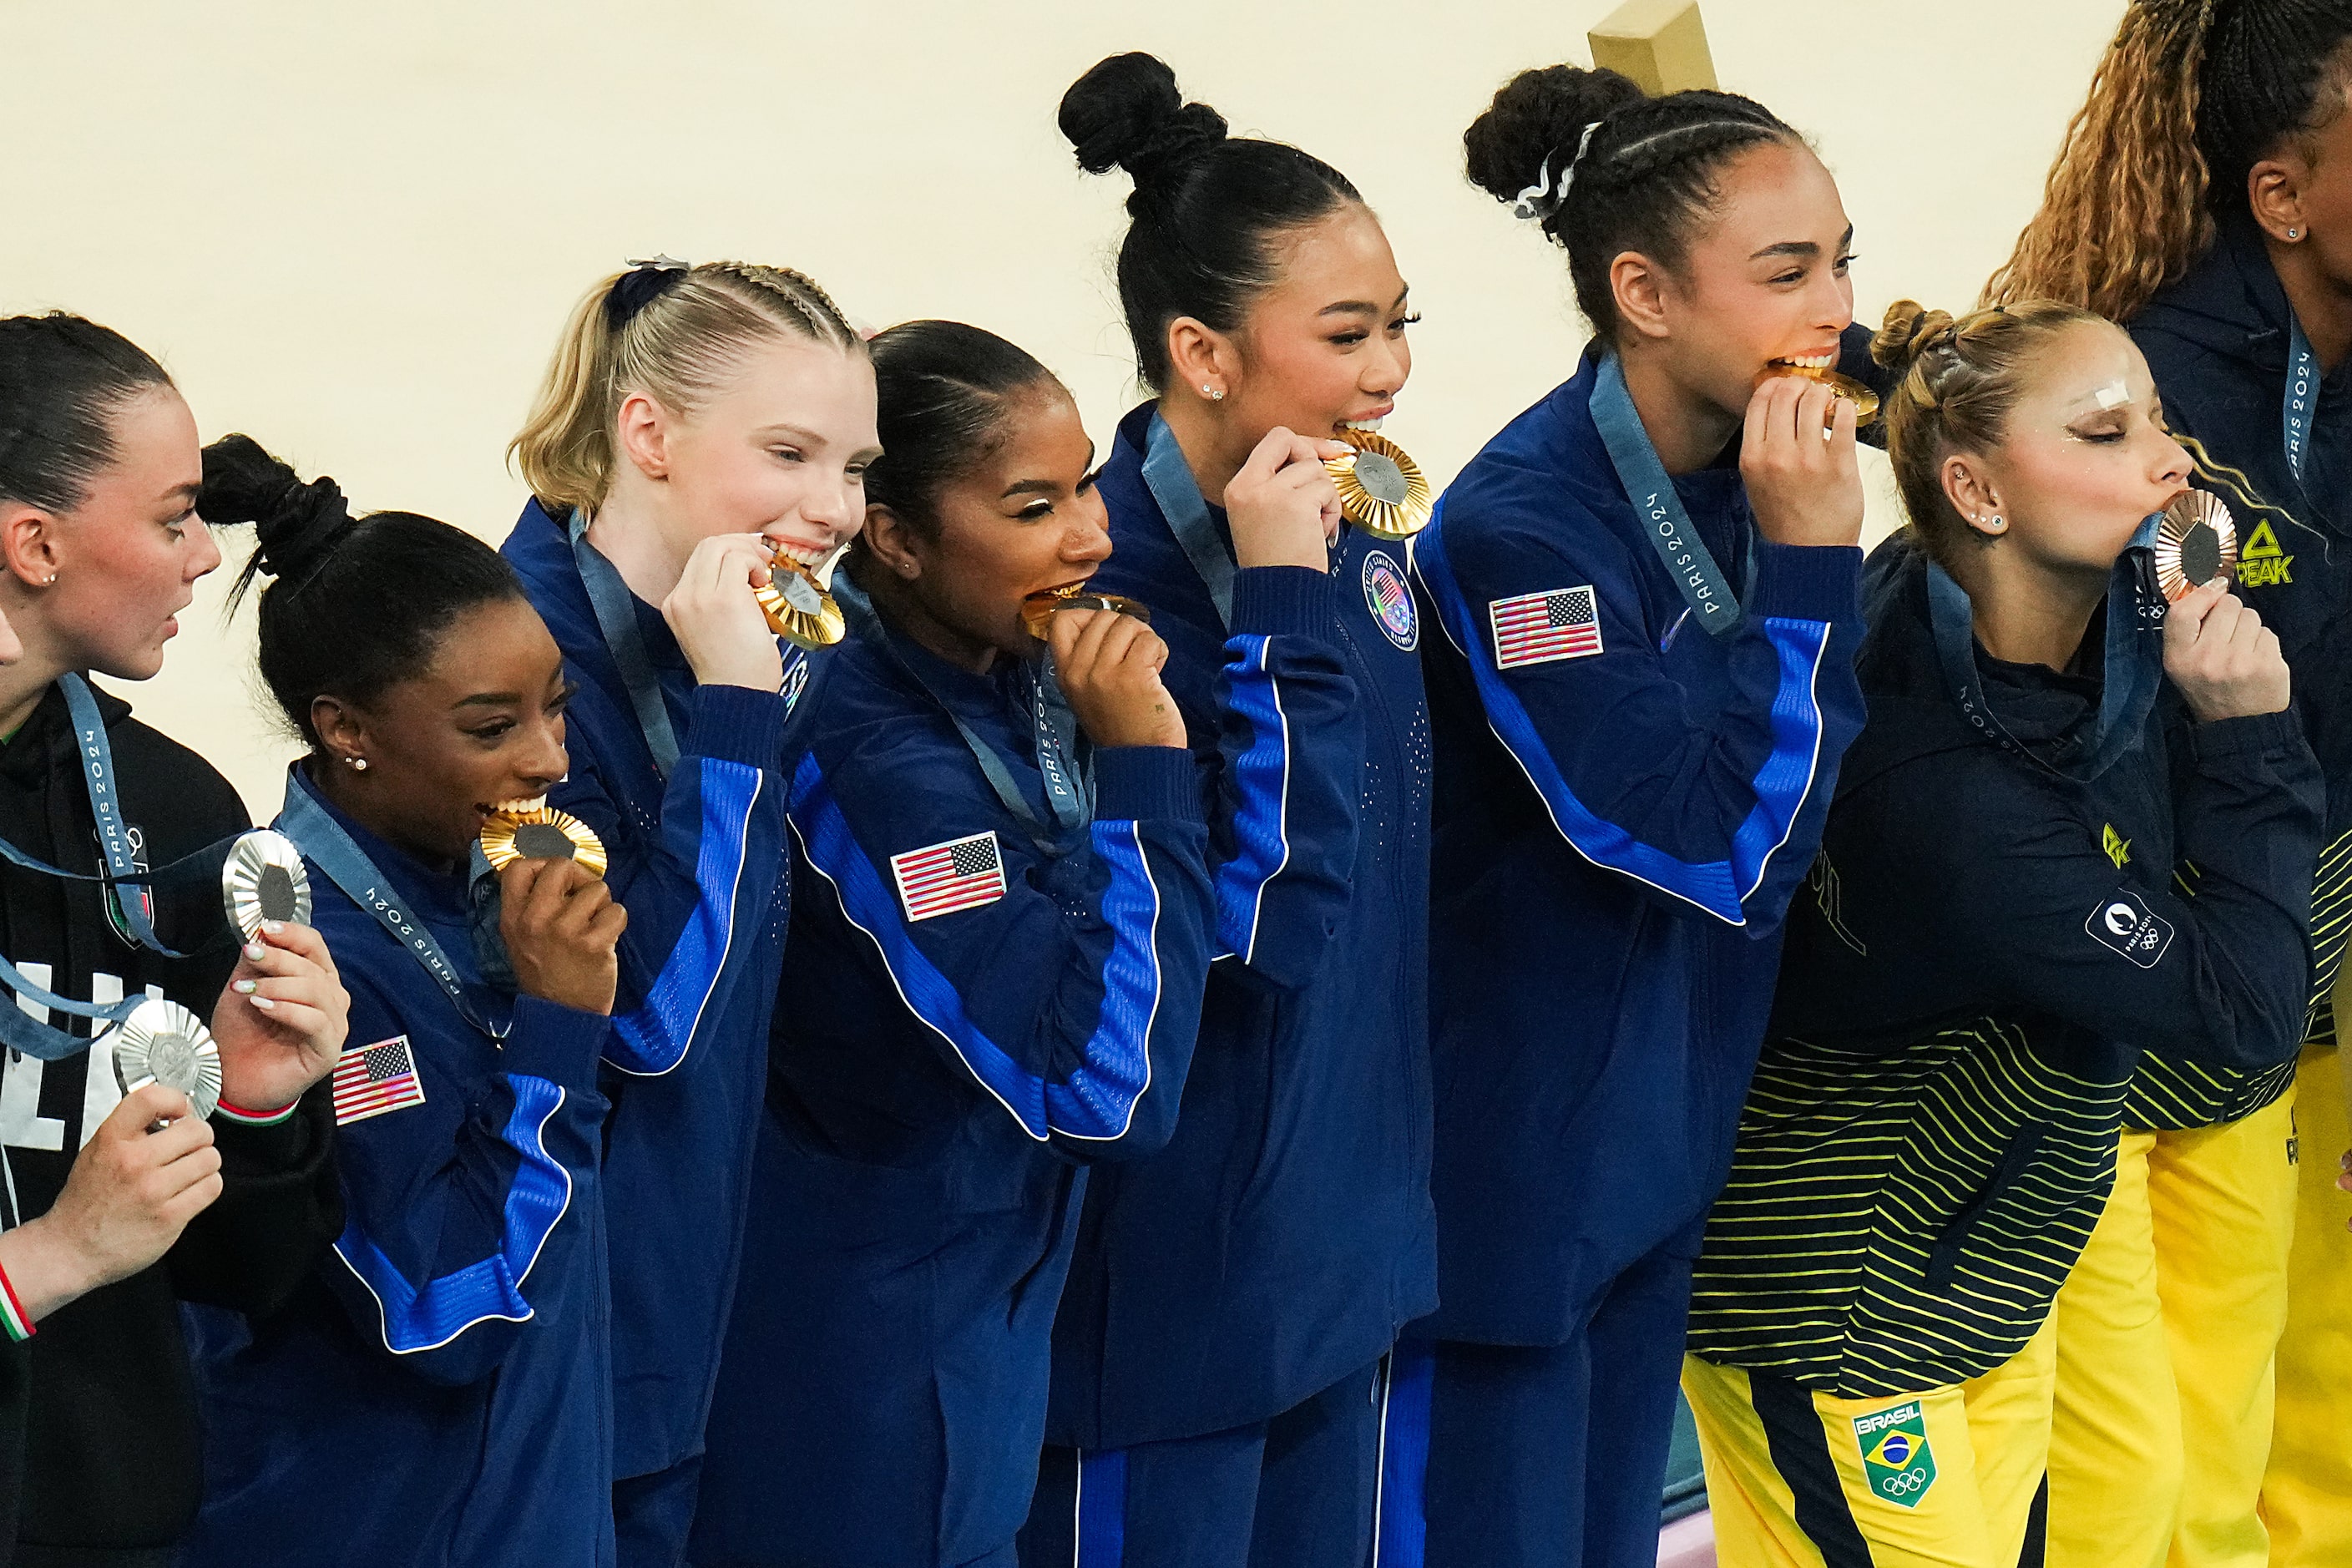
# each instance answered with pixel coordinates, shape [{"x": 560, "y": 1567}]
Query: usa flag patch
[
  {"x": 939, "y": 879},
  {"x": 1541, "y": 628},
  {"x": 376, "y": 1079}
]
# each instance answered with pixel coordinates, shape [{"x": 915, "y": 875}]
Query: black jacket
[
  {"x": 110, "y": 1454},
  {"x": 2216, "y": 342},
  {"x": 1988, "y": 946}
]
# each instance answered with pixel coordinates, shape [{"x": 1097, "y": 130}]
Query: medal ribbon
[
  {"x": 1652, "y": 491},
  {"x": 616, "y": 617},
  {"x": 2301, "y": 393},
  {"x": 334, "y": 851},
  {"x": 1170, "y": 479},
  {"x": 2134, "y": 659},
  {"x": 1069, "y": 783}
]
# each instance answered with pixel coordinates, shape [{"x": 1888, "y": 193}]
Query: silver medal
[
  {"x": 263, "y": 880},
  {"x": 163, "y": 1042}
]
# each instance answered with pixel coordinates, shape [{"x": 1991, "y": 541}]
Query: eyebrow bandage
[{"x": 2112, "y": 396}]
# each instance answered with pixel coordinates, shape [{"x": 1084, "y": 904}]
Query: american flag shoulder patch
[
  {"x": 376, "y": 1079},
  {"x": 1541, "y": 628},
  {"x": 940, "y": 878}
]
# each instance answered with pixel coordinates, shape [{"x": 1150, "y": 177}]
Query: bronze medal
[
  {"x": 531, "y": 830},
  {"x": 2195, "y": 543},
  {"x": 1382, "y": 491}
]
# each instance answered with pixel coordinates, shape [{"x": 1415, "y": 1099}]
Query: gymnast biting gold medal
[
  {"x": 798, "y": 606},
  {"x": 2195, "y": 543},
  {"x": 1037, "y": 610},
  {"x": 532, "y": 830},
  {"x": 1382, "y": 491},
  {"x": 1818, "y": 367}
]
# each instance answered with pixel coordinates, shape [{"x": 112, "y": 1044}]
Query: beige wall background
[{"x": 352, "y": 232}]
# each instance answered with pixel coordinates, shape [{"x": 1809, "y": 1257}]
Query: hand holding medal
[
  {"x": 1108, "y": 663},
  {"x": 2224, "y": 662},
  {"x": 798, "y": 603},
  {"x": 1382, "y": 491},
  {"x": 2196, "y": 541}
]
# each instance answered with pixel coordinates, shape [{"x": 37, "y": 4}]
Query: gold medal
[
  {"x": 1382, "y": 491},
  {"x": 2195, "y": 543},
  {"x": 797, "y": 605},
  {"x": 531, "y": 830},
  {"x": 163, "y": 1042},
  {"x": 1037, "y": 609},
  {"x": 263, "y": 880},
  {"x": 1864, "y": 401}
]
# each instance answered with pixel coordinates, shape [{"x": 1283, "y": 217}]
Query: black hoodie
[
  {"x": 103, "y": 1405},
  {"x": 2217, "y": 342},
  {"x": 1989, "y": 944}
]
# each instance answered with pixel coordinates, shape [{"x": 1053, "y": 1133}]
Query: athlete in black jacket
[{"x": 104, "y": 1225}]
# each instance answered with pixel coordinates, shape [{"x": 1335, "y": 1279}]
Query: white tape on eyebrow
[{"x": 2112, "y": 396}]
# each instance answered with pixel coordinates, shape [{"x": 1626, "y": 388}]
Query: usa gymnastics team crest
[
  {"x": 1390, "y": 601},
  {"x": 1897, "y": 1461}
]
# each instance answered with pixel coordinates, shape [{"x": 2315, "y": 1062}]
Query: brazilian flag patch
[{"x": 1897, "y": 1461}]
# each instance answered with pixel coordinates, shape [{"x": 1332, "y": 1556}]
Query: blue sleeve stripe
[
  {"x": 652, "y": 1038},
  {"x": 1098, "y": 1101},
  {"x": 1781, "y": 785},
  {"x": 490, "y": 1290},
  {"x": 1262, "y": 779}
]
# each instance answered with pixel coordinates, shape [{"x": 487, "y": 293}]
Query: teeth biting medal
[
  {"x": 2195, "y": 543},
  {"x": 1037, "y": 609},
  {"x": 531, "y": 830},
  {"x": 797, "y": 605},
  {"x": 1382, "y": 491},
  {"x": 1864, "y": 401}
]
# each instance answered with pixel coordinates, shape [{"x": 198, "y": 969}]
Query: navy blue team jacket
[
  {"x": 441, "y": 1393},
  {"x": 1286, "y": 1234},
  {"x": 698, "y": 861},
  {"x": 2216, "y": 342},
  {"x": 975, "y": 1010},
  {"x": 1623, "y": 814}
]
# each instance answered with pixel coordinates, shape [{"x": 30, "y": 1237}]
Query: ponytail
[
  {"x": 667, "y": 330},
  {"x": 2189, "y": 97}
]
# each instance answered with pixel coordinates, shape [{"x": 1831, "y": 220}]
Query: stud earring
[
  {"x": 1213, "y": 393},
  {"x": 50, "y": 581},
  {"x": 2295, "y": 234},
  {"x": 358, "y": 764}
]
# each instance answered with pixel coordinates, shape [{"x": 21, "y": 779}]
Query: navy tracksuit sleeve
[
  {"x": 1290, "y": 746},
  {"x": 1718, "y": 807},
  {"x": 454, "y": 1204},
  {"x": 2029, "y": 900},
  {"x": 697, "y": 893},
  {"x": 1068, "y": 986}
]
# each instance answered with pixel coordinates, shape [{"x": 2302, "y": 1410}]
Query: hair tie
[
  {"x": 1530, "y": 205},
  {"x": 640, "y": 286}
]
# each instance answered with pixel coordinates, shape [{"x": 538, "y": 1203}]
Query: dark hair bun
[
  {"x": 1127, "y": 113},
  {"x": 297, "y": 524},
  {"x": 1909, "y": 329},
  {"x": 1539, "y": 117}
]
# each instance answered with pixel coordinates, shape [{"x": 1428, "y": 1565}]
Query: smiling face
[
  {"x": 126, "y": 559},
  {"x": 781, "y": 447},
  {"x": 1762, "y": 278},
  {"x": 2084, "y": 459},
  {"x": 1024, "y": 517},
  {"x": 1325, "y": 345},
  {"x": 481, "y": 723}
]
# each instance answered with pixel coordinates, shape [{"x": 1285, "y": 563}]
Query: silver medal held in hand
[
  {"x": 263, "y": 880},
  {"x": 163, "y": 1042}
]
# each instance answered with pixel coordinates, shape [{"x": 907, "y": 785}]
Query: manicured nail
[
  {"x": 273, "y": 927},
  {"x": 248, "y": 987},
  {"x": 256, "y": 949},
  {"x": 264, "y": 1002}
]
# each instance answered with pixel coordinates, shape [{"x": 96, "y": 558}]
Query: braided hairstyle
[
  {"x": 62, "y": 380},
  {"x": 942, "y": 393},
  {"x": 1209, "y": 210},
  {"x": 1956, "y": 384},
  {"x": 355, "y": 605},
  {"x": 674, "y": 332},
  {"x": 1646, "y": 178},
  {"x": 2189, "y": 97}
]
